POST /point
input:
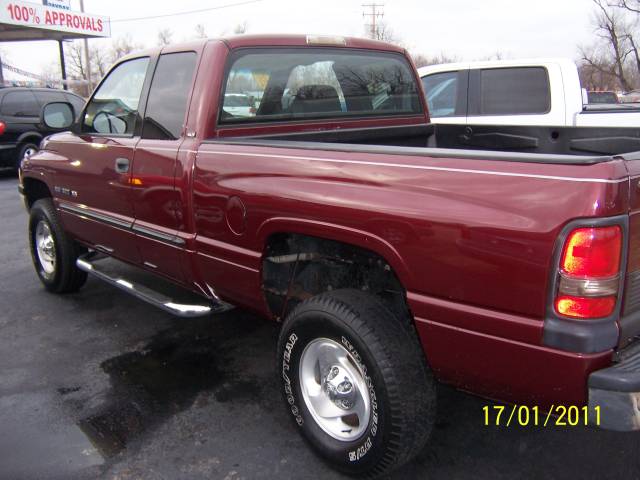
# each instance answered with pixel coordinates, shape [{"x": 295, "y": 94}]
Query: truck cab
[{"x": 545, "y": 92}]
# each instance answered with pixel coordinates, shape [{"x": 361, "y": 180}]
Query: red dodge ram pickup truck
[{"x": 299, "y": 177}]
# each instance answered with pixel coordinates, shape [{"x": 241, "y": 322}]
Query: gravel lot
[{"x": 100, "y": 385}]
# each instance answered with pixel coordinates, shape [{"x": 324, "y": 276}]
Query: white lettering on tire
[
  {"x": 286, "y": 361},
  {"x": 363, "y": 449}
]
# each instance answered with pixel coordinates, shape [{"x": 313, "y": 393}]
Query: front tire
[
  {"x": 356, "y": 382},
  {"x": 25, "y": 151},
  {"x": 53, "y": 253}
]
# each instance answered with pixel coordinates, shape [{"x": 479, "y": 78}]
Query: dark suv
[{"x": 20, "y": 128}]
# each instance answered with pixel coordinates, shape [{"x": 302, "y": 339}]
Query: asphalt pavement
[{"x": 99, "y": 385}]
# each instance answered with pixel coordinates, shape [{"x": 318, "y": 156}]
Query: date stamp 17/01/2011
[{"x": 556, "y": 415}]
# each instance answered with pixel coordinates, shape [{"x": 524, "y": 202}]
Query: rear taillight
[
  {"x": 589, "y": 273},
  {"x": 3, "y": 127}
]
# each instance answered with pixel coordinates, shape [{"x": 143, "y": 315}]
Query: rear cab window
[
  {"x": 267, "y": 85},
  {"x": 511, "y": 91}
]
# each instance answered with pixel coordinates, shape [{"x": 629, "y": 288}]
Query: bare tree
[
  {"x": 74, "y": 60},
  {"x": 200, "y": 31},
  {"x": 241, "y": 28},
  {"x": 383, "y": 32},
  {"x": 164, "y": 36},
  {"x": 101, "y": 60},
  {"x": 51, "y": 74},
  {"x": 609, "y": 54},
  {"x": 596, "y": 77},
  {"x": 77, "y": 67},
  {"x": 422, "y": 60},
  {"x": 122, "y": 46},
  {"x": 497, "y": 55},
  {"x": 631, "y": 5}
]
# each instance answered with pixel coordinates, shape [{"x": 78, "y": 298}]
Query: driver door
[{"x": 93, "y": 184}]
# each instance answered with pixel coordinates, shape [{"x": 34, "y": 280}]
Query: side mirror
[{"x": 57, "y": 115}]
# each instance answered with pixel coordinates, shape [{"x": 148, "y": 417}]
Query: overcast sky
[{"x": 467, "y": 29}]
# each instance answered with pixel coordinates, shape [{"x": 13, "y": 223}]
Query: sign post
[
  {"x": 87, "y": 59},
  {"x": 63, "y": 67}
]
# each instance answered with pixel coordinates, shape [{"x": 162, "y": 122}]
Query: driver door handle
[{"x": 122, "y": 165}]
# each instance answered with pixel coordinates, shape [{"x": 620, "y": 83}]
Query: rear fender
[{"x": 339, "y": 233}]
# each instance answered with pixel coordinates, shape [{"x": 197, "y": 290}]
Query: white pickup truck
[{"x": 544, "y": 92}]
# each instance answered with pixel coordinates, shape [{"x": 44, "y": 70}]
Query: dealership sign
[
  {"x": 63, "y": 4},
  {"x": 35, "y": 15}
]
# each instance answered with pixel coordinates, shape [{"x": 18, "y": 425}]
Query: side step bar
[{"x": 185, "y": 310}]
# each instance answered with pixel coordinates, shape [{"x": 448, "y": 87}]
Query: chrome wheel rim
[
  {"x": 29, "y": 151},
  {"x": 46, "y": 248},
  {"x": 334, "y": 389}
]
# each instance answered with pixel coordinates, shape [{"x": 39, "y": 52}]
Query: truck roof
[
  {"x": 241, "y": 41},
  {"x": 521, "y": 62},
  {"x": 273, "y": 40}
]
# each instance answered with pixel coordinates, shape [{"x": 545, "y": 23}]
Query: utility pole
[
  {"x": 1, "y": 74},
  {"x": 87, "y": 60},
  {"x": 374, "y": 15}
]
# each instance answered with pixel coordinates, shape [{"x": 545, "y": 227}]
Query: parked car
[
  {"x": 631, "y": 97},
  {"x": 543, "y": 92},
  {"x": 238, "y": 105},
  {"x": 20, "y": 127},
  {"x": 395, "y": 253},
  {"x": 602, "y": 97}
]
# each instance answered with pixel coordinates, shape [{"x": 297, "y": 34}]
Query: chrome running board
[{"x": 201, "y": 307}]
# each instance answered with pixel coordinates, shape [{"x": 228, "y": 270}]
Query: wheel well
[
  {"x": 296, "y": 267},
  {"x": 30, "y": 138},
  {"x": 35, "y": 190}
]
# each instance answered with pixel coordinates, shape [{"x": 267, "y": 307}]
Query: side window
[
  {"x": 77, "y": 102},
  {"x": 46, "y": 97},
  {"x": 114, "y": 107},
  {"x": 441, "y": 90},
  {"x": 509, "y": 91},
  {"x": 168, "y": 96},
  {"x": 20, "y": 104}
]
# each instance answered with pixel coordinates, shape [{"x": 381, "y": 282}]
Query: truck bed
[{"x": 531, "y": 144}]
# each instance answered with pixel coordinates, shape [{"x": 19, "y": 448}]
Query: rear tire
[
  {"x": 329, "y": 347},
  {"x": 53, "y": 253}
]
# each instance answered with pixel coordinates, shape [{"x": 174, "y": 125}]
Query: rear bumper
[{"x": 616, "y": 391}]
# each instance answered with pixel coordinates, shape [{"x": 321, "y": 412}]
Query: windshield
[{"x": 284, "y": 84}]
